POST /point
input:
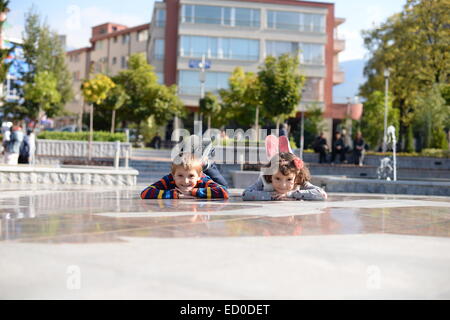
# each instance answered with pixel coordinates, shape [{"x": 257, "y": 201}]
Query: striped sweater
[{"x": 205, "y": 188}]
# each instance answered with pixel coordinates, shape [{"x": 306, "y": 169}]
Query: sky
[{"x": 74, "y": 18}]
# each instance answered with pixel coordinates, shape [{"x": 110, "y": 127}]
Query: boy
[{"x": 186, "y": 180}]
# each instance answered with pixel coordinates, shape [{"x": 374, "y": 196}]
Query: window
[
  {"x": 125, "y": 38},
  {"x": 159, "y": 49},
  {"x": 219, "y": 48},
  {"x": 312, "y": 53},
  {"x": 123, "y": 62},
  {"x": 114, "y": 60},
  {"x": 305, "y": 22},
  {"x": 99, "y": 45},
  {"x": 313, "y": 89},
  {"x": 115, "y": 39},
  {"x": 142, "y": 35},
  {"x": 309, "y": 53},
  {"x": 278, "y": 48},
  {"x": 161, "y": 18},
  {"x": 227, "y": 16},
  {"x": 76, "y": 75},
  {"x": 189, "y": 82},
  {"x": 246, "y": 17}
]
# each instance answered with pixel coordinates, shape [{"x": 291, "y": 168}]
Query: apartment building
[
  {"x": 111, "y": 46},
  {"x": 243, "y": 33}
]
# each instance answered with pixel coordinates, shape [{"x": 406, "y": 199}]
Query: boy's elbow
[{"x": 144, "y": 193}]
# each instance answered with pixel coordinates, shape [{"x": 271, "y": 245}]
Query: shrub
[
  {"x": 439, "y": 153},
  {"x": 82, "y": 136}
]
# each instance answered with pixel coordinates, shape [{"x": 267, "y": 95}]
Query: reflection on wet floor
[{"x": 92, "y": 215}]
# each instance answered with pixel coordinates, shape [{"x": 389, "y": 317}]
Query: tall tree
[
  {"x": 242, "y": 101},
  {"x": 146, "y": 96},
  {"x": 43, "y": 91},
  {"x": 413, "y": 44},
  {"x": 429, "y": 123},
  {"x": 281, "y": 86},
  {"x": 372, "y": 125},
  {"x": 4, "y": 53},
  {"x": 43, "y": 52},
  {"x": 115, "y": 99}
]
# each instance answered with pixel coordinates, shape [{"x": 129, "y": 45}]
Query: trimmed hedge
[
  {"x": 82, "y": 136},
  {"x": 434, "y": 153}
]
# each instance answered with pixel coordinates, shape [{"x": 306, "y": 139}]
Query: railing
[
  {"x": 223, "y": 22},
  {"x": 70, "y": 148},
  {"x": 220, "y": 55},
  {"x": 296, "y": 27},
  {"x": 196, "y": 90}
]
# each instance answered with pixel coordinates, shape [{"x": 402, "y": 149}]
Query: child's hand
[
  {"x": 279, "y": 196},
  {"x": 185, "y": 196},
  {"x": 184, "y": 191}
]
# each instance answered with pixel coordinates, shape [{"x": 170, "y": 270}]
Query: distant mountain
[{"x": 353, "y": 70}]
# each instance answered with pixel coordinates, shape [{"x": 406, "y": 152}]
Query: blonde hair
[
  {"x": 286, "y": 165},
  {"x": 188, "y": 161}
]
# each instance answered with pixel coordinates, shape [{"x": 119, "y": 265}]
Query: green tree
[
  {"x": 242, "y": 101},
  {"x": 146, "y": 96},
  {"x": 431, "y": 121},
  {"x": 281, "y": 86},
  {"x": 372, "y": 121},
  {"x": 115, "y": 99},
  {"x": 413, "y": 44},
  {"x": 43, "y": 91},
  {"x": 209, "y": 105},
  {"x": 43, "y": 52},
  {"x": 4, "y": 53},
  {"x": 52, "y": 57}
]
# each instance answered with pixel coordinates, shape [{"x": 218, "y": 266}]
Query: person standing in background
[
  {"x": 359, "y": 149},
  {"x": 12, "y": 148},
  {"x": 27, "y": 148},
  {"x": 321, "y": 147},
  {"x": 338, "y": 148}
]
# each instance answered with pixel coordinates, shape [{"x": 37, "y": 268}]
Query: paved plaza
[{"x": 90, "y": 242}]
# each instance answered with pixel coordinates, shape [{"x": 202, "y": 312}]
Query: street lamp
[
  {"x": 302, "y": 126},
  {"x": 387, "y": 73}
]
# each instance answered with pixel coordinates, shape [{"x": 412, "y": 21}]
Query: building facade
[
  {"x": 231, "y": 33},
  {"x": 111, "y": 46},
  {"x": 228, "y": 34}
]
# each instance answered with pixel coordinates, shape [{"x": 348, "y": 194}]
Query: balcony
[
  {"x": 338, "y": 77},
  {"x": 339, "y": 45}
]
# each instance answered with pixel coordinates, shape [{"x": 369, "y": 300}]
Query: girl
[{"x": 290, "y": 181}]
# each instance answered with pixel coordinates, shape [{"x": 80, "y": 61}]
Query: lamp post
[
  {"x": 386, "y": 78},
  {"x": 302, "y": 126}
]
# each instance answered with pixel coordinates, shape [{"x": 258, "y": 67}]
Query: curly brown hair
[{"x": 286, "y": 166}]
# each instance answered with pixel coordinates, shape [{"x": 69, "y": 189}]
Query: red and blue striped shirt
[{"x": 205, "y": 188}]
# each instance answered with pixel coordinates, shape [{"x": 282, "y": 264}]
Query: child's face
[
  {"x": 186, "y": 178},
  {"x": 283, "y": 184}
]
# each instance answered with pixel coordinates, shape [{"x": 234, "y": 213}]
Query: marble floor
[{"x": 70, "y": 242}]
